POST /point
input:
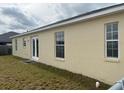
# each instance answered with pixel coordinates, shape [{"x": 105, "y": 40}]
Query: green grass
[{"x": 15, "y": 74}]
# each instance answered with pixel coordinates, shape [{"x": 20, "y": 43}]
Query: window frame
[
  {"x": 36, "y": 54},
  {"x": 112, "y": 59},
  {"x": 59, "y": 58},
  {"x": 24, "y": 42}
]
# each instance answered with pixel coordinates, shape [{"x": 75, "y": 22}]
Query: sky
[{"x": 24, "y": 17}]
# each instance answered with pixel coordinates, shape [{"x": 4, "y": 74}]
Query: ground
[{"x": 15, "y": 74}]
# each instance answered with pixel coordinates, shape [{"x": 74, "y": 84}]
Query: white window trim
[
  {"x": 111, "y": 59},
  {"x": 34, "y": 57},
  {"x": 59, "y": 58}
]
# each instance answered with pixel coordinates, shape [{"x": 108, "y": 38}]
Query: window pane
[
  {"x": 59, "y": 42},
  {"x": 60, "y": 37},
  {"x": 115, "y": 35},
  {"x": 109, "y": 28},
  {"x": 33, "y": 47},
  {"x": 57, "y": 51},
  {"x": 115, "y": 27},
  {"x": 109, "y": 36},
  {"x": 115, "y": 44},
  {"x": 115, "y": 53},
  {"x": 112, "y": 49},
  {"x": 109, "y": 44},
  {"x": 109, "y": 52},
  {"x": 60, "y": 51}
]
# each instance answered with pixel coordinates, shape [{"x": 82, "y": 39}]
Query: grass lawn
[{"x": 15, "y": 74}]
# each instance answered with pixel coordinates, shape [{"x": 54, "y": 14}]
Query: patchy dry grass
[{"x": 15, "y": 74}]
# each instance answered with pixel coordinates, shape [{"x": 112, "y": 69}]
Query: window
[
  {"x": 59, "y": 36},
  {"x": 112, "y": 40},
  {"x": 16, "y": 45},
  {"x": 24, "y": 42}
]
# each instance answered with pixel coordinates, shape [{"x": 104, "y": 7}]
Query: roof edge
[{"x": 85, "y": 16}]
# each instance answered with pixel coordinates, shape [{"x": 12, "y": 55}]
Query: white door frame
[{"x": 34, "y": 56}]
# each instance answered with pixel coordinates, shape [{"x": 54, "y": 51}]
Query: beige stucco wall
[{"x": 84, "y": 49}]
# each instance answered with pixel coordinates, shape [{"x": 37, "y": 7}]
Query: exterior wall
[
  {"x": 21, "y": 51},
  {"x": 84, "y": 49}
]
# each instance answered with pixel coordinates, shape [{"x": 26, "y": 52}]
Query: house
[
  {"x": 6, "y": 43},
  {"x": 91, "y": 44}
]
